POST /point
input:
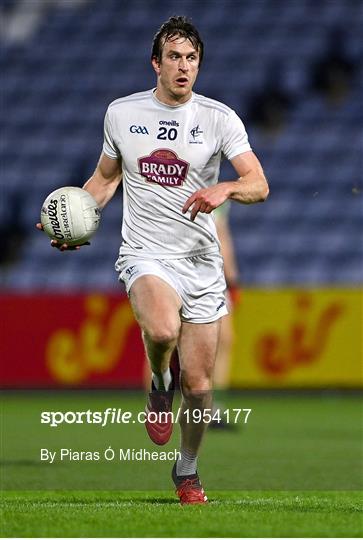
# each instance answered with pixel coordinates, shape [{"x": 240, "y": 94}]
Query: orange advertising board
[
  {"x": 298, "y": 338},
  {"x": 70, "y": 340},
  {"x": 286, "y": 338}
]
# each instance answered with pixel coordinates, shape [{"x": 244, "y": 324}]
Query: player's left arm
[{"x": 250, "y": 187}]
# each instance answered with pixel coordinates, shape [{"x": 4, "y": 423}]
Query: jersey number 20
[{"x": 165, "y": 133}]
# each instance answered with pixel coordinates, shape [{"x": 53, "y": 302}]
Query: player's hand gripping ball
[{"x": 70, "y": 215}]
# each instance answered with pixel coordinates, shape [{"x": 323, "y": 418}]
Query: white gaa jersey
[{"x": 168, "y": 153}]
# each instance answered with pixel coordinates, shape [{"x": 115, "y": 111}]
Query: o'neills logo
[
  {"x": 163, "y": 167},
  {"x": 58, "y": 217},
  {"x": 52, "y": 211}
]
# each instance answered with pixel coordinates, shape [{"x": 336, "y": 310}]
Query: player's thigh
[
  {"x": 156, "y": 306},
  {"x": 197, "y": 348}
]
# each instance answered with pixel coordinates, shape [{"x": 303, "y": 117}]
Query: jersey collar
[{"x": 170, "y": 107}]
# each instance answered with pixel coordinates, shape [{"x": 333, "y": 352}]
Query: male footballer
[{"x": 166, "y": 144}]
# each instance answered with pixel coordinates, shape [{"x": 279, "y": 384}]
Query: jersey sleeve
[
  {"x": 235, "y": 138},
  {"x": 109, "y": 146}
]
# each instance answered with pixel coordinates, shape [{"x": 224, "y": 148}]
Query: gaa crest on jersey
[{"x": 163, "y": 167}]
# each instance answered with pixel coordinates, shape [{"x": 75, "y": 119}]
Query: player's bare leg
[
  {"x": 197, "y": 352},
  {"x": 156, "y": 306},
  {"x": 222, "y": 366},
  {"x": 222, "y": 371}
]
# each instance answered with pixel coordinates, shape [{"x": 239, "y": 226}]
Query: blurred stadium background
[{"x": 293, "y": 72}]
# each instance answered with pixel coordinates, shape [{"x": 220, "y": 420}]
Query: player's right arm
[
  {"x": 102, "y": 186},
  {"x": 104, "y": 181}
]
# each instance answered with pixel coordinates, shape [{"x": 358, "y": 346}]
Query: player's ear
[{"x": 156, "y": 65}]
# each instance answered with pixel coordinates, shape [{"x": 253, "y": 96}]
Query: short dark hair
[{"x": 176, "y": 26}]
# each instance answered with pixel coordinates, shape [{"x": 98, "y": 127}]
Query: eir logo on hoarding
[{"x": 163, "y": 167}]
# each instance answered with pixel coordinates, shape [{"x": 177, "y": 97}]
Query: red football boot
[
  {"x": 159, "y": 426},
  {"x": 188, "y": 488}
]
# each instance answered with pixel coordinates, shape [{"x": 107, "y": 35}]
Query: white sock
[
  {"x": 187, "y": 464},
  {"x": 162, "y": 380}
]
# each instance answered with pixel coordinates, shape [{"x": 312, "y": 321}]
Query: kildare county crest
[{"x": 163, "y": 167}]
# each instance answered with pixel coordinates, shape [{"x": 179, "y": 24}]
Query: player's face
[{"x": 177, "y": 70}]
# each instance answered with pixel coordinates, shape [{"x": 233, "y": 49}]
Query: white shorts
[{"x": 198, "y": 280}]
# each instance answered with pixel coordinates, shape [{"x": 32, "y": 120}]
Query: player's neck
[{"x": 171, "y": 99}]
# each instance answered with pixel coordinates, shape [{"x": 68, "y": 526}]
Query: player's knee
[
  {"x": 163, "y": 335},
  {"x": 196, "y": 383}
]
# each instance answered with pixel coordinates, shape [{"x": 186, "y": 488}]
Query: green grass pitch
[
  {"x": 295, "y": 470},
  {"x": 158, "y": 514}
]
